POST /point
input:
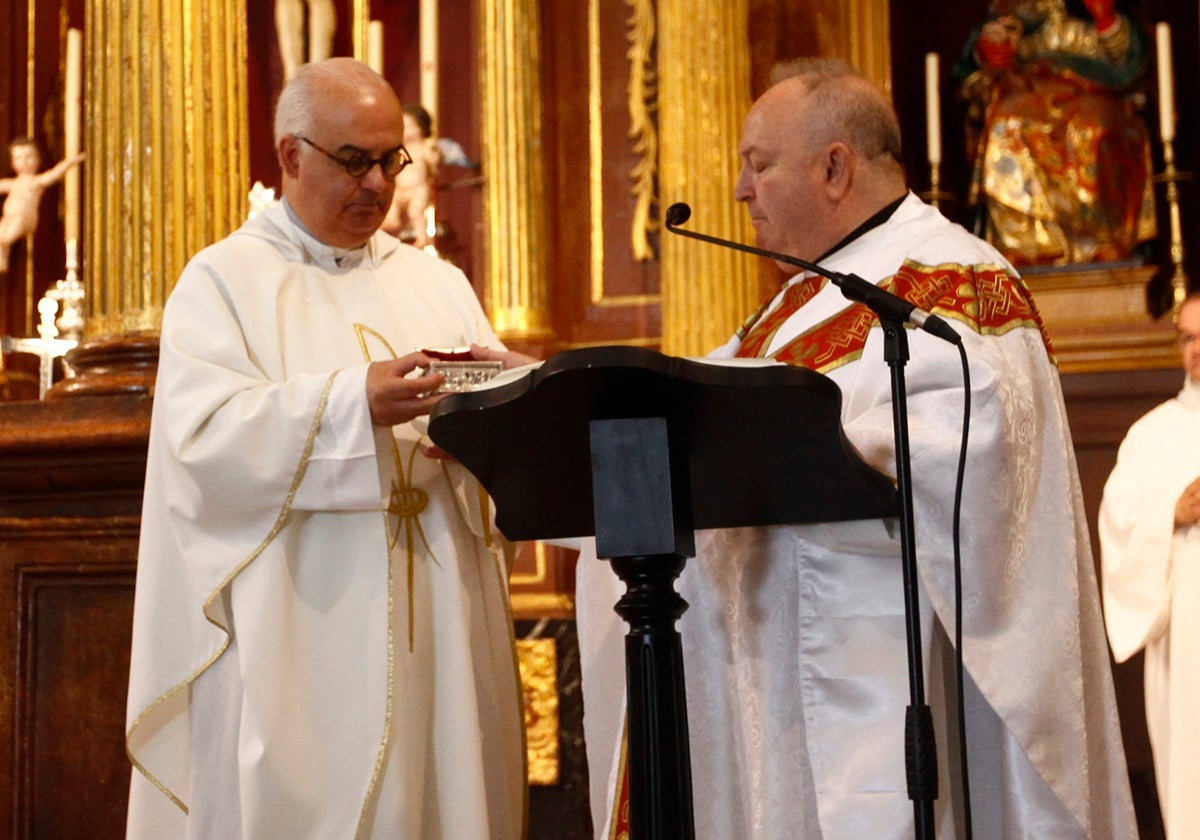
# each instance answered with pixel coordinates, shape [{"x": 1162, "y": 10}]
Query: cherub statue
[
  {"x": 411, "y": 213},
  {"x": 19, "y": 216},
  {"x": 1061, "y": 152}
]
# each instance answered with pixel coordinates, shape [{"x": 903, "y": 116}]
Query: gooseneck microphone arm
[{"x": 887, "y": 306}]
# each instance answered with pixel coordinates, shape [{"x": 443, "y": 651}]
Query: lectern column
[
  {"x": 659, "y": 757},
  {"x": 641, "y": 501}
]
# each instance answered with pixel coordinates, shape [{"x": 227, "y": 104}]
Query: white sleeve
[{"x": 1137, "y": 534}]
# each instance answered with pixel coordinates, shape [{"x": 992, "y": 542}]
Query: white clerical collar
[{"x": 326, "y": 256}]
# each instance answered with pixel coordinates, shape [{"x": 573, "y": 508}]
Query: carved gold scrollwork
[
  {"x": 643, "y": 129},
  {"x": 538, "y": 661}
]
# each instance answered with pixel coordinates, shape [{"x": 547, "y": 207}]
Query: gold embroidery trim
[
  {"x": 839, "y": 339},
  {"x": 412, "y": 501},
  {"x": 405, "y": 502},
  {"x": 237, "y": 570}
]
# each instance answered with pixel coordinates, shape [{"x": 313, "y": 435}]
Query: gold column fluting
[
  {"x": 165, "y": 132},
  {"x": 360, "y": 21},
  {"x": 516, "y": 294},
  {"x": 704, "y": 93},
  {"x": 863, "y": 39}
]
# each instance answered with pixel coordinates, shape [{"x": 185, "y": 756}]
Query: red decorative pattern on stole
[
  {"x": 758, "y": 331},
  {"x": 987, "y": 298}
]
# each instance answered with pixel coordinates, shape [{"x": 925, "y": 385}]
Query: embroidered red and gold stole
[
  {"x": 757, "y": 332},
  {"x": 987, "y": 298}
]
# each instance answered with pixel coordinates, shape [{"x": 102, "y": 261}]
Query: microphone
[{"x": 887, "y": 306}]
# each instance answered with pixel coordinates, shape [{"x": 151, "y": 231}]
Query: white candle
[
  {"x": 73, "y": 102},
  {"x": 375, "y": 46},
  {"x": 428, "y": 37},
  {"x": 933, "y": 108},
  {"x": 1166, "y": 84}
]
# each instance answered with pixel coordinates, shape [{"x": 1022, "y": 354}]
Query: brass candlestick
[
  {"x": 935, "y": 196},
  {"x": 69, "y": 294},
  {"x": 1171, "y": 177}
]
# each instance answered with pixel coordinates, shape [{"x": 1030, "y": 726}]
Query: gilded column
[
  {"x": 866, "y": 32},
  {"x": 166, "y": 135},
  {"x": 516, "y": 295},
  {"x": 704, "y": 86}
]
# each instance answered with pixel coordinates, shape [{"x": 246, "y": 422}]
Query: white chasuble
[
  {"x": 322, "y": 643},
  {"x": 794, "y": 640}
]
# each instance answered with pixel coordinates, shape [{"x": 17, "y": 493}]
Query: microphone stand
[{"x": 920, "y": 746}]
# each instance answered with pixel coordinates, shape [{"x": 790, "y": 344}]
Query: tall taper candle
[
  {"x": 72, "y": 104},
  {"x": 1166, "y": 83},
  {"x": 428, "y": 41},
  {"x": 375, "y": 46},
  {"x": 933, "y": 108}
]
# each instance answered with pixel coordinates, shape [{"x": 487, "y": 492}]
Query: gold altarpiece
[
  {"x": 165, "y": 131},
  {"x": 516, "y": 294},
  {"x": 684, "y": 109}
]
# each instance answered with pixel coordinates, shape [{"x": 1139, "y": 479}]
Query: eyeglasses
[{"x": 358, "y": 163}]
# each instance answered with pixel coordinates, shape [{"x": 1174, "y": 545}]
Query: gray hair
[{"x": 851, "y": 108}]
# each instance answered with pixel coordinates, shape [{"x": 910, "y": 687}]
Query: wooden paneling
[
  {"x": 600, "y": 293},
  {"x": 70, "y": 499},
  {"x": 74, "y": 619}
]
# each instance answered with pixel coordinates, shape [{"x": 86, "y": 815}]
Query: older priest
[
  {"x": 322, "y": 646},
  {"x": 794, "y": 641}
]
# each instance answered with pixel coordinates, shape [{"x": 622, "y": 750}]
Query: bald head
[
  {"x": 842, "y": 104},
  {"x": 335, "y": 80}
]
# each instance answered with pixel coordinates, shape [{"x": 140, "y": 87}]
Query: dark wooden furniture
[
  {"x": 71, "y": 475},
  {"x": 640, "y": 450}
]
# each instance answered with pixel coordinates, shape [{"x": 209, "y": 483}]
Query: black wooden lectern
[{"x": 640, "y": 450}]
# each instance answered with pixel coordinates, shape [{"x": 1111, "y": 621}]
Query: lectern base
[{"x": 659, "y": 762}]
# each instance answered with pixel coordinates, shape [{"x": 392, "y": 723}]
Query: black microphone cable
[{"x": 956, "y": 540}]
